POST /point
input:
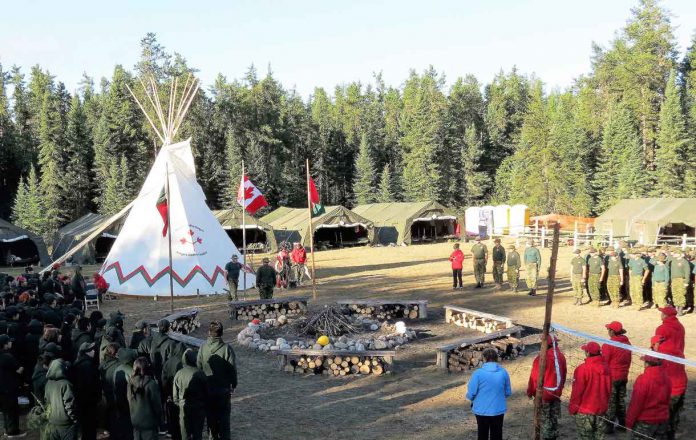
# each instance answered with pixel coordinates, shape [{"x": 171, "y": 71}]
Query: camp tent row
[
  {"x": 646, "y": 219},
  {"x": 20, "y": 247},
  {"x": 95, "y": 251}
]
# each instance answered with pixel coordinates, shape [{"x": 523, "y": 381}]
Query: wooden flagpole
[
  {"x": 244, "y": 262},
  {"x": 311, "y": 234},
  {"x": 169, "y": 238},
  {"x": 545, "y": 333}
]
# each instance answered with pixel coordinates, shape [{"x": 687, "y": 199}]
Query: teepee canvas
[{"x": 185, "y": 233}]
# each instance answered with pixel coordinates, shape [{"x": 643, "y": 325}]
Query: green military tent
[
  {"x": 649, "y": 220},
  {"x": 410, "y": 222},
  {"x": 259, "y": 234},
  {"x": 21, "y": 247},
  {"x": 337, "y": 227},
  {"x": 73, "y": 233}
]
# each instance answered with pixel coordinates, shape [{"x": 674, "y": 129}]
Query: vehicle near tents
[
  {"x": 338, "y": 227},
  {"x": 259, "y": 235},
  {"x": 20, "y": 247},
  {"x": 649, "y": 220},
  {"x": 73, "y": 233},
  {"x": 410, "y": 222}
]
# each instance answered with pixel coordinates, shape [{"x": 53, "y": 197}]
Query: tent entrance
[
  {"x": 102, "y": 246},
  {"x": 672, "y": 233},
  {"x": 256, "y": 239},
  {"x": 433, "y": 230},
  {"x": 19, "y": 252},
  {"x": 329, "y": 237}
]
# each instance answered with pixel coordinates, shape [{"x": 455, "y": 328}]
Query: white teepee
[{"x": 138, "y": 263}]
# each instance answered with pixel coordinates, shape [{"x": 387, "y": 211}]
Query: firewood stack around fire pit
[
  {"x": 385, "y": 311},
  {"x": 270, "y": 311},
  {"x": 470, "y": 356},
  {"x": 484, "y": 325},
  {"x": 337, "y": 365}
]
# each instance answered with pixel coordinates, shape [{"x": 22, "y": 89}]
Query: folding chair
[{"x": 91, "y": 297}]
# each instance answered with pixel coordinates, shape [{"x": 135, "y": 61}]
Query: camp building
[
  {"x": 74, "y": 232},
  {"x": 338, "y": 227},
  {"x": 410, "y": 222}
]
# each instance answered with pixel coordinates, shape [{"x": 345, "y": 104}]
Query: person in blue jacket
[{"x": 487, "y": 390}]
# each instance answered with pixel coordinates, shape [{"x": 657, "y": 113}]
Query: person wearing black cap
[
  {"x": 140, "y": 333},
  {"x": 50, "y": 313},
  {"x": 190, "y": 395},
  {"x": 60, "y": 404},
  {"x": 10, "y": 380},
  {"x": 265, "y": 279},
  {"x": 80, "y": 335},
  {"x": 232, "y": 269},
  {"x": 85, "y": 379}
]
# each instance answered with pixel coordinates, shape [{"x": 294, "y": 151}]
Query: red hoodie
[
  {"x": 457, "y": 259},
  {"x": 299, "y": 255},
  {"x": 591, "y": 387},
  {"x": 617, "y": 359},
  {"x": 672, "y": 332},
  {"x": 650, "y": 398},
  {"x": 549, "y": 376}
]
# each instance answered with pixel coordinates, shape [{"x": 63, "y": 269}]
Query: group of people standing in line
[{"x": 598, "y": 396}]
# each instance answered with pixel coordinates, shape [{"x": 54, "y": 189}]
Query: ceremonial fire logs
[
  {"x": 268, "y": 309},
  {"x": 469, "y": 356},
  {"x": 385, "y": 310},
  {"x": 339, "y": 364}
]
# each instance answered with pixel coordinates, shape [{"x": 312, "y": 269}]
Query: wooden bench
[
  {"x": 421, "y": 303},
  {"x": 237, "y": 306},
  {"x": 387, "y": 356},
  {"x": 485, "y": 318},
  {"x": 444, "y": 350}
]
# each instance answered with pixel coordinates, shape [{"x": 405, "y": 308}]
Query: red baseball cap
[
  {"x": 657, "y": 339},
  {"x": 255, "y": 321},
  {"x": 591, "y": 348},
  {"x": 669, "y": 310},
  {"x": 614, "y": 325}
]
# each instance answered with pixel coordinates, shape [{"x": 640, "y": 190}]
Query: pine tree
[
  {"x": 27, "y": 211},
  {"x": 384, "y": 191},
  {"x": 76, "y": 180},
  {"x": 363, "y": 186},
  {"x": 19, "y": 207},
  {"x": 10, "y": 166},
  {"x": 233, "y": 167},
  {"x": 475, "y": 183},
  {"x": 52, "y": 161},
  {"x": 113, "y": 185},
  {"x": 672, "y": 156}
]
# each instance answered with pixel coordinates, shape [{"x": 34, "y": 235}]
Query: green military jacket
[
  {"x": 265, "y": 276},
  {"x": 680, "y": 269},
  {"x": 577, "y": 264},
  {"x": 660, "y": 273},
  {"x": 217, "y": 360},
  {"x": 499, "y": 253},
  {"x": 532, "y": 255},
  {"x": 637, "y": 266},
  {"x": 122, "y": 375},
  {"x": 59, "y": 395},
  {"x": 107, "y": 369},
  {"x": 614, "y": 265},
  {"x": 513, "y": 259},
  {"x": 190, "y": 387},
  {"x": 595, "y": 264},
  {"x": 144, "y": 403},
  {"x": 479, "y": 251}
]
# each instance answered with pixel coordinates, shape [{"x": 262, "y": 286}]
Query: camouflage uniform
[
  {"x": 513, "y": 268},
  {"x": 617, "y": 401},
  {"x": 660, "y": 280},
  {"x": 498, "y": 263},
  {"x": 594, "y": 276},
  {"x": 532, "y": 262},
  {"x": 614, "y": 267},
  {"x": 680, "y": 272},
  {"x": 676, "y": 404},
  {"x": 480, "y": 254},
  {"x": 637, "y": 267},
  {"x": 577, "y": 266},
  {"x": 550, "y": 413},
  {"x": 642, "y": 430},
  {"x": 590, "y": 426}
]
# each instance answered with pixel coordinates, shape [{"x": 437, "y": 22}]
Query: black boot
[{"x": 532, "y": 292}]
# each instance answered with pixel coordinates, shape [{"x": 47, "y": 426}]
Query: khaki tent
[
  {"x": 259, "y": 235},
  {"x": 410, "y": 222},
  {"x": 337, "y": 227},
  {"x": 20, "y": 247},
  {"x": 649, "y": 219},
  {"x": 73, "y": 233}
]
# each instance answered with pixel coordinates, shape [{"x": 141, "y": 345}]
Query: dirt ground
[{"x": 417, "y": 401}]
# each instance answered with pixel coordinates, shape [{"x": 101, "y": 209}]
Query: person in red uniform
[
  {"x": 100, "y": 284},
  {"x": 648, "y": 411},
  {"x": 619, "y": 362},
  {"x": 554, "y": 381},
  {"x": 589, "y": 399},
  {"x": 299, "y": 258},
  {"x": 670, "y": 339},
  {"x": 457, "y": 260}
]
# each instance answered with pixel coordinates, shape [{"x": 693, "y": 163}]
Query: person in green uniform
[
  {"x": 578, "y": 270},
  {"x": 169, "y": 370},
  {"x": 660, "y": 280},
  {"x": 513, "y": 267},
  {"x": 680, "y": 274},
  {"x": 532, "y": 263},
  {"x": 144, "y": 401},
  {"x": 265, "y": 279},
  {"x": 60, "y": 404},
  {"x": 615, "y": 274},
  {"x": 122, "y": 375},
  {"x": 638, "y": 277},
  {"x": 595, "y": 272},
  {"x": 107, "y": 369},
  {"x": 232, "y": 270},
  {"x": 648, "y": 255},
  {"x": 498, "y": 263},
  {"x": 190, "y": 395},
  {"x": 479, "y": 252}
]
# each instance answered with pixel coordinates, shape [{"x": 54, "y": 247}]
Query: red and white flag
[{"x": 249, "y": 196}]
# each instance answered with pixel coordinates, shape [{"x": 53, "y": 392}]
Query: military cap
[{"x": 511, "y": 247}]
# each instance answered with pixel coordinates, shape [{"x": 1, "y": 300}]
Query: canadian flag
[{"x": 249, "y": 196}]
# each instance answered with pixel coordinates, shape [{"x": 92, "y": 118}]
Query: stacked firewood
[
  {"x": 270, "y": 311},
  {"x": 337, "y": 365},
  {"x": 470, "y": 356},
  {"x": 329, "y": 321},
  {"x": 384, "y": 311},
  {"x": 484, "y": 325},
  {"x": 184, "y": 321}
]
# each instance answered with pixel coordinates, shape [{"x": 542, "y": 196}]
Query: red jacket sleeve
[
  {"x": 579, "y": 384},
  {"x": 635, "y": 407},
  {"x": 533, "y": 377}
]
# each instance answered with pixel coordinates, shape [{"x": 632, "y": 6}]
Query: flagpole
[
  {"x": 311, "y": 234},
  {"x": 169, "y": 239},
  {"x": 243, "y": 234}
]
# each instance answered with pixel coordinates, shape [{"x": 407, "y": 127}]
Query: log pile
[
  {"x": 478, "y": 323},
  {"x": 470, "y": 356},
  {"x": 337, "y": 365},
  {"x": 184, "y": 321},
  {"x": 329, "y": 321},
  {"x": 384, "y": 311},
  {"x": 291, "y": 309}
]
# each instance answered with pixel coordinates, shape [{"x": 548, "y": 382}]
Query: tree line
[{"x": 626, "y": 129}]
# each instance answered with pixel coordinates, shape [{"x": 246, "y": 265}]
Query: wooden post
[
  {"x": 244, "y": 261},
  {"x": 311, "y": 234},
  {"x": 545, "y": 333},
  {"x": 543, "y": 237}
]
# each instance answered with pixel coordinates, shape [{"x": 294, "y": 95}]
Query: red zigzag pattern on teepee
[{"x": 150, "y": 280}]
